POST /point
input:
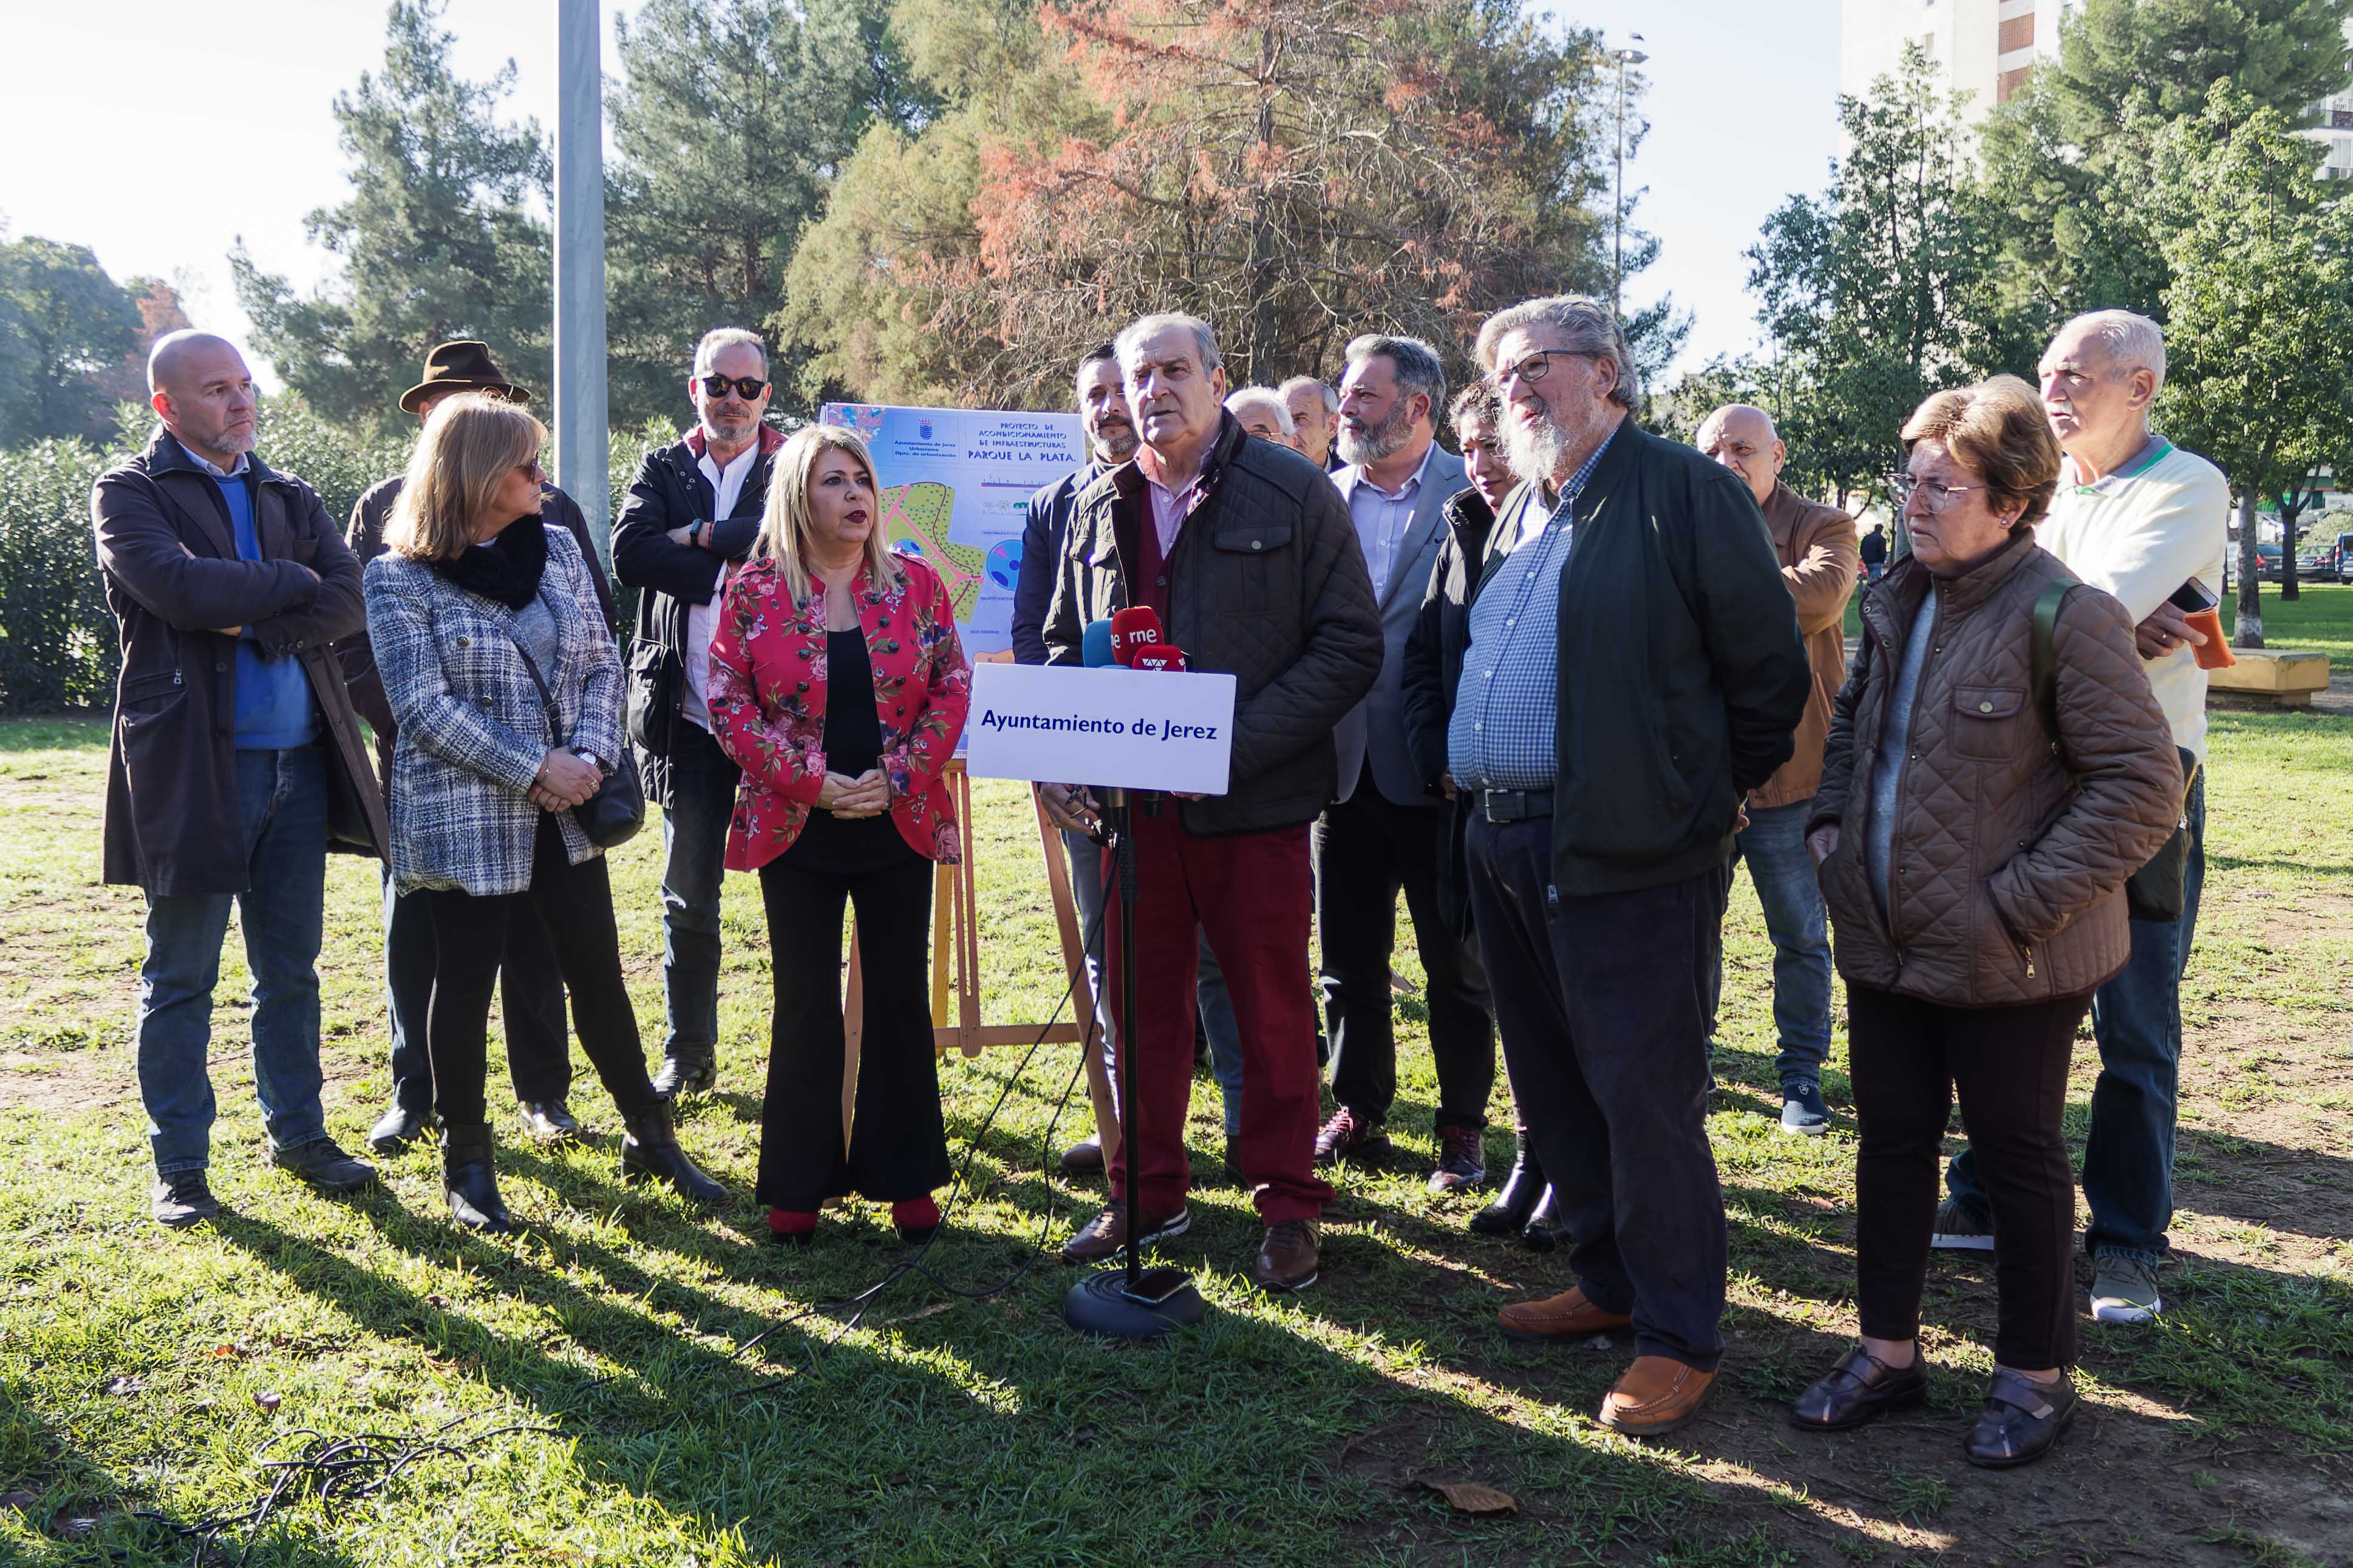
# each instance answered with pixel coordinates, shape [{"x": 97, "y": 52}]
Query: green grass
[{"x": 937, "y": 1429}]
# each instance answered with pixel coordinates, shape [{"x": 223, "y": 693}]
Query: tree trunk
[
  {"x": 2287, "y": 551},
  {"x": 2250, "y": 630}
]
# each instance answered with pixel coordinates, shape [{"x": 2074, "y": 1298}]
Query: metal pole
[
  {"x": 582, "y": 440},
  {"x": 1617, "y": 205}
]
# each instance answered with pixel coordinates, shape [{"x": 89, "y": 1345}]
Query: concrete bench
[{"x": 2286, "y": 679}]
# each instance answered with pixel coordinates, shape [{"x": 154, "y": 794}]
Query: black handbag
[{"x": 611, "y": 816}]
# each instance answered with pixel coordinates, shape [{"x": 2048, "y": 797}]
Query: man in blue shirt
[
  {"x": 235, "y": 759},
  {"x": 1633, "y": 670}
]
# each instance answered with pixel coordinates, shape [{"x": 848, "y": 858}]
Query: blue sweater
[{"x": 274, "y": 710}]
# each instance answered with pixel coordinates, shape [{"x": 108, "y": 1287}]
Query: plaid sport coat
[{"x": 472, "y": 727}]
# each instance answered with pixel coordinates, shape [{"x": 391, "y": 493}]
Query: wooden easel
[{"x": 955, "y": 965}]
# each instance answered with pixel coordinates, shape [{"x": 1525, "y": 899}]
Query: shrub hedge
[{"x": 58, "y": 643}]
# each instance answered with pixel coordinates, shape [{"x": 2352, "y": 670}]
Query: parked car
[
  {"x": 2345, "y": 558},
  {"x": 2268, "y": 561}
]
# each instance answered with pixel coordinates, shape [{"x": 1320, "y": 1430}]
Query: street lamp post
[
  {"x": 1617, "y": 209},
  {"x": 581, "y": 443}
]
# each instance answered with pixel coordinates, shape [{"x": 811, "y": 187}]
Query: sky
[{"x": 1741, "y": 113}]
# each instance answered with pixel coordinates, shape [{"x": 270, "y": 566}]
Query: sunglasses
[{"x": 747, "y": 387}]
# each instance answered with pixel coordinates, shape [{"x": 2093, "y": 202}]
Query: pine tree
[
  {"x": 731, "y": 120},
  {"x": 1295, "y": 170},
  {"x": 440, "y": 237}
]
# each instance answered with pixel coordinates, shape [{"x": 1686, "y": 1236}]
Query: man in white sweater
[{"x": 2136, "y": 516}]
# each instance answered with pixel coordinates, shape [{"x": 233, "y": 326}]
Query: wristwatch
[{"x": 594, "y": 760}]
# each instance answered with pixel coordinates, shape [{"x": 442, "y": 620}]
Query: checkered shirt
[{"x": 1501, "y": 735}]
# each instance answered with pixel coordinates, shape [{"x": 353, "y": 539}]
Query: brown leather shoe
[
  {"x": 1461, "y": 1160},
  {"x": 1656, "y": 1396},
  {"x": 1567, "y": 1316},
  {"x": 1107, "y": 1233},
  {"x": 1287, "y": 1258},
  {"x": 1349, "y": 1136}
]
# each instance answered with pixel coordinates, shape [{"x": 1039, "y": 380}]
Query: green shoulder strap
[{"x": 2043, "y": 667}]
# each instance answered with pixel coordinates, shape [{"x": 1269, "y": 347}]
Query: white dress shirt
[
  {"x": 1382, "y": 517},
  {"x": 703, "y": 620}
]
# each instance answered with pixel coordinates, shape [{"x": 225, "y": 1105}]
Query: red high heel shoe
[{"x": 918, "y": 1220}]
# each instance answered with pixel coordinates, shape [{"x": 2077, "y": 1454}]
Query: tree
[
  {"x": 439, "y": 238},
  {"x": 2294, "y": 494},
  {"x": 1295, "y": 172},
  {"x": 2260, "y": 331},
  {"x": 729, "y": 124},
  {"x": 2068, "y": 160},
  {"x": 64, "y": 325},
  {"x": 1877, "y": 292}
]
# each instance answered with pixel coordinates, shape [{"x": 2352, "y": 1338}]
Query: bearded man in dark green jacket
[{"x": 1633, "y": 670}]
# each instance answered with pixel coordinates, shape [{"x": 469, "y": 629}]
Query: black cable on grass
[
  {"x": 334, "y": 1470},
  {"x": 914, "y": 1263}
]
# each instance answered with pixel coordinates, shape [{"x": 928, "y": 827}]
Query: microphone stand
[{"x": 1129, "y": 1302}]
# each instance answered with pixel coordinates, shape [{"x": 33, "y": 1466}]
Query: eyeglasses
[
  {"x": 1538, "y": 365},
  {"x": 747, "y": 387},
  {"x": 1936, "y": 496}
]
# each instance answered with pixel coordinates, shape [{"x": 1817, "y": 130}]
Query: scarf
[{"x": 507, "y": 569}]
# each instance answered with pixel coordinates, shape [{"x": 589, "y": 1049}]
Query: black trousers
[
  {"x": 531, "y": 994},
  {"x": 574, "y": 904},
  {"x": 1906, "y": 1060},
  {"x": 1365, "y": 849},
  {"x": 898, "y": 1146},
  {"x": 1602, "y": 1004}
]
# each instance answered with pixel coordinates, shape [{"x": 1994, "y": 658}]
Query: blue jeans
[
  {"x": 2137, "y": 1018},
  {"x": 1217, "y": 1008},
  {"x": 1774, "y": 844},
  {"x": 703, "y": 780},
  {"x": 282, "y": 811}
]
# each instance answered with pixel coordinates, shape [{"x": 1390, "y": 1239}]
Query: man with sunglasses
[
  {"x": 531, "y": 991},
  {"x": 1633, "y": 669},
  {"x": 693, "y": 509}
]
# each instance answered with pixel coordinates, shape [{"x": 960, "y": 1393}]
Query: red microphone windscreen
[
  {"x": 1131, "y": 630},
  {"x": 1160, "y": 656}
]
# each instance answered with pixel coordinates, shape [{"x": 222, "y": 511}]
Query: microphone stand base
[{"x": 1099, "y": 1305}]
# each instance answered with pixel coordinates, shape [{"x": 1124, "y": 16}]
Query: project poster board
[
  {"x": 1136, "y": 729},
  {"x": 956, "y": 487}
]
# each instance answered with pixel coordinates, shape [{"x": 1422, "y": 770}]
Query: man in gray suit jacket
[{"x": 1386, "y": 827}]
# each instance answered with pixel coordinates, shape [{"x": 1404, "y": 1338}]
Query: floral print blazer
[{"x": 768, "y": 696}]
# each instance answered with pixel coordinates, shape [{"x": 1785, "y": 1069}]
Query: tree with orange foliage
[{"x": 1295, "y": 170}]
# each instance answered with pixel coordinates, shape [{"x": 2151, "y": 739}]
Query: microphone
[
  {"x": 1097, "y": 647},
  {"x": 1132, "y": 629},
  {"x": 1161, "y": 656}
]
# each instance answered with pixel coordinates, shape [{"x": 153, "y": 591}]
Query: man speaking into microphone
[{"x": 1248, "y": 560}]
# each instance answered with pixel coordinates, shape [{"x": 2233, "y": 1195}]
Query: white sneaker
[
  {"x": 2124, "y": 1291},
  {"x": 1958, "y": 1229}
]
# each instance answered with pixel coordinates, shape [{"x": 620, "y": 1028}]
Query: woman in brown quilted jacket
[{"x": 1985, "y": 792}]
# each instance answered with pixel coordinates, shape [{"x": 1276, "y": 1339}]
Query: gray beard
[
  {"x": 1382, "y": 441},
  {"x": 1533, "y": 454}
]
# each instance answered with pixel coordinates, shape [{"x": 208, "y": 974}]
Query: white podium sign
[{"x": 1136, "y": 729}]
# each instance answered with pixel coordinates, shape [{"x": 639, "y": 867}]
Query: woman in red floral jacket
[{"x": 842, "y": 801}]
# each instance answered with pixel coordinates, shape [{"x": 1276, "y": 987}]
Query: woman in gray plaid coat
[{"x": 472, "y": 596}]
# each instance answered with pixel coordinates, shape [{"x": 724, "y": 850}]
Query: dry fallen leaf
[
  {"x": 122, "y": 1384},
  {"x": 267, "y": 1399},
  {"x": 1475, "y": 1497}
]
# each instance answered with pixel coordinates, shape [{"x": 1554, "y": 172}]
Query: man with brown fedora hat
[
  {"x": 465, "y": 365},
  {"x": 538, "y": 1048}
]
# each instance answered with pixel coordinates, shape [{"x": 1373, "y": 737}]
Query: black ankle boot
[
  {"x": 686, "y": 1075},
  {"x": 1517, "y": 1200},
  {"x": 1546, "y": 1230},
  {"x": 468, "y": 1179},
  {"x": 651, "y": 1152}
]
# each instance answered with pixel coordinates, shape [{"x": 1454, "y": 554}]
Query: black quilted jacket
[{"x": 1267, "y": 583}]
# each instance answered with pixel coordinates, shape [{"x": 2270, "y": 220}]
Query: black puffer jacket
[{"x": 1267, "y": 583}]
